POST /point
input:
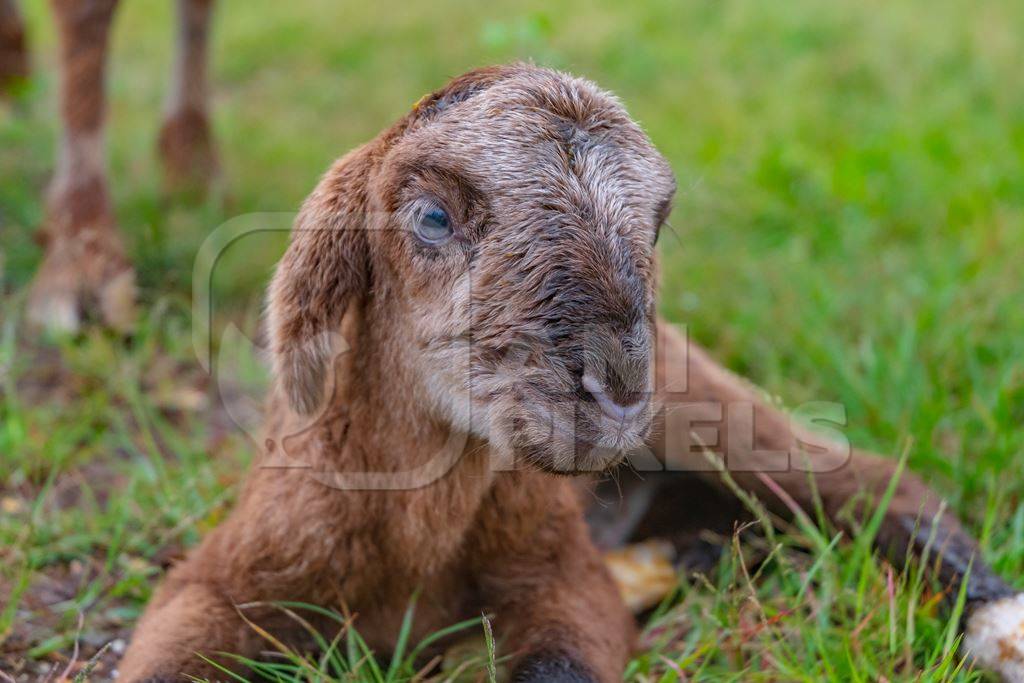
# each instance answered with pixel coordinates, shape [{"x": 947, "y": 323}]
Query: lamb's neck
[{"x": 391, "y": 426}]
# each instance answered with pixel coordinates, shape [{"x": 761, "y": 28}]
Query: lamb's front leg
[
  {"x": 769, "y": 452},
  {"x": 265, "y": 550},
  {"x": 197, "y": 611},
  {"x": 556, "y": 609},
  {"x": 186, "y": 621}
]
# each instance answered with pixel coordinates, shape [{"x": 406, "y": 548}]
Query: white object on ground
[{"x": 995, "y": 637}]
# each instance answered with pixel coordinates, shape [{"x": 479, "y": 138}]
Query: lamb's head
[{"x": 501, "y": 238}]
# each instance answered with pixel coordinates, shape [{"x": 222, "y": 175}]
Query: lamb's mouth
[
  {"x": 545, "y": 423},
  {"x": 572, "y": 437},
  {"x": 585, "y": 458}
]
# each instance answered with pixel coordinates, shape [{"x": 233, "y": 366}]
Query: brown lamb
[
  {"x": 488, "y": 262},
  {"x": 539, "y": 377}
]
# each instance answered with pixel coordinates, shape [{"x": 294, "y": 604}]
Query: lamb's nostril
[{"x": 614, "y": 410}]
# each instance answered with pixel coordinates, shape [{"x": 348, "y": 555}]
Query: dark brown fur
[
  {"x": 14, "y": 62},
  {"x": 556, "y": 197}
]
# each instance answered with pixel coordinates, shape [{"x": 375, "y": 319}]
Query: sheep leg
[
  {"x": 183, "y": 620},
  {"x": 185, "y": 143},
  {"x": 84, "y": 268},
  {"x": 218, "y": 598},
  {"x": 767, "y": 452},
  {"x": 556, "y": 607},
  {"x": 14, "y": 66}
]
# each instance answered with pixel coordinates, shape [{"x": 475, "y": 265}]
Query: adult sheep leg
[
  {"x": 84, "y": 269},
  {"x": 185, "y": 145},
  {"x": 556, "y": 608},
  {"x": 14, "y": 66},
  {"x": 764, "y": 451}
]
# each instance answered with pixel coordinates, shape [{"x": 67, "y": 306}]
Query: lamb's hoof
[
  {"x": 186, "y": 150},
  {"x": 551, "y": 668},
  {"x": 995, "y": 637},
  {"x": 82, "y": 278}
]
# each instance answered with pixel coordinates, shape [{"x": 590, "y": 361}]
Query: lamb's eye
[{"x": 433, "y": 226}]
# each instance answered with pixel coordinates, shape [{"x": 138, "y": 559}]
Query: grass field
[{"x": 849, "y": 227}]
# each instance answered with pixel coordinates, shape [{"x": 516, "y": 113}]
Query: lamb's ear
[{"x": 324, "y": 269}]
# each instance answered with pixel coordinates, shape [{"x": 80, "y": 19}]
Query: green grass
[{"x": 849, "y": 227}]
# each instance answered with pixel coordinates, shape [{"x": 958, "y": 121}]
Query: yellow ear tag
[{"x": 421, "y": 101}]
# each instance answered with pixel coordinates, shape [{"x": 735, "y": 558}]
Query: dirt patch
[{"x": 41, "y": 645}]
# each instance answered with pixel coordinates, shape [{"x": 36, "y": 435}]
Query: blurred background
[{"x": 849, "y": 227}]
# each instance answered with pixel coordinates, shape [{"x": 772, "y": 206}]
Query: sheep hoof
[
  {"x": 55, "y": 311},
  {"x": 117, "y": 301},
  {"x": 551, "y": 668},
  {"x": 83, "y": 277},
  {"x": 995, "y": 637}
]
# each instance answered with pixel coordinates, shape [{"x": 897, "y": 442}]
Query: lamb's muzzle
[{"x": 615, "y": 411}]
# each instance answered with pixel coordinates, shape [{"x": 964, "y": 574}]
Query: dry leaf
[{"x": 643, "y": 572}]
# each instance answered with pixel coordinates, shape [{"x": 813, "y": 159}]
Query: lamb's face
[{"x": 523, "y": 221}]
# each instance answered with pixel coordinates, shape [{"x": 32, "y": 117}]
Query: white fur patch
[
  {"x": 995, "y": 637},
  {"x": 81, "y": 157},
  {"x": 117, "y": 301},
  {"x": 55, "y": 312}
]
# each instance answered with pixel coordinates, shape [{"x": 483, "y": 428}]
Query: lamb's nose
[{"x": 609, "y": 407}]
